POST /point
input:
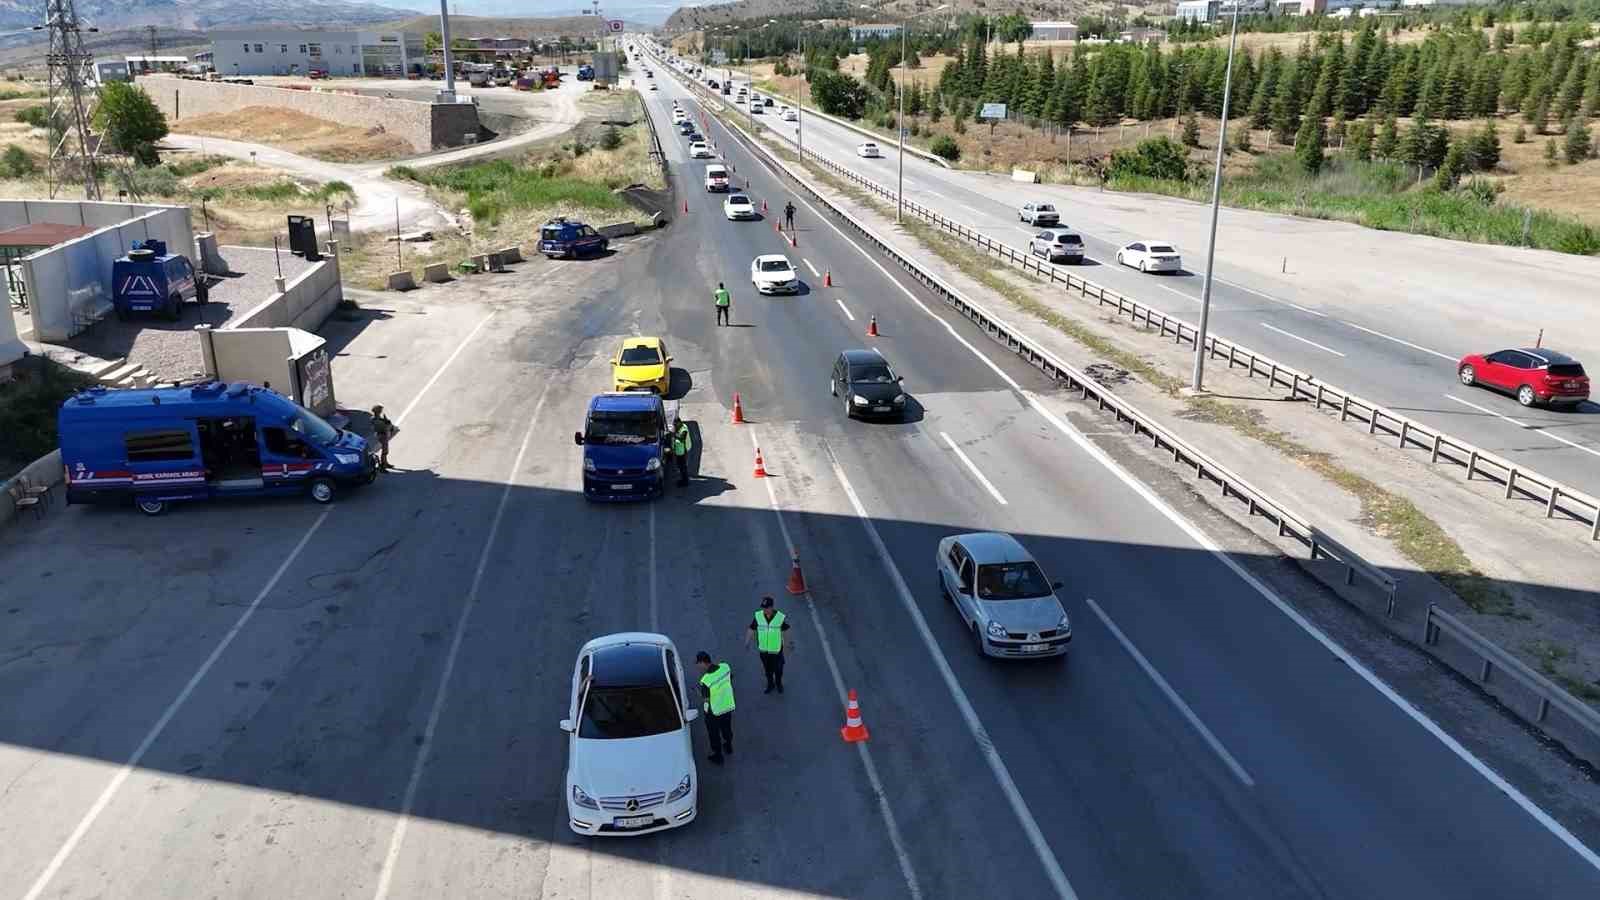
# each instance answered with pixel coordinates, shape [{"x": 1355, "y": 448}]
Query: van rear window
[{"x": 158, "y": 446}]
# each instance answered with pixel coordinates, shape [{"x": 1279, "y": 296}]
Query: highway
[
  {"x": 275, "y": 699},
  {"x": 1389, "y": 319}
]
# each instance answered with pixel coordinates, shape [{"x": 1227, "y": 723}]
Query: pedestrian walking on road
[
  {"x": 384, "y": 430},
  {"x": 682, "y": 443},
  {"x": 771, "y": 632},
  {"x": 716, "y": 686},
  {"x": 724, "y": 301},
  {"x": 788, "y": 216}
]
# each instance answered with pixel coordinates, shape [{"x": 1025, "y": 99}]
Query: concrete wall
[
  {"x": 74, "y": 278},
  {"x": 305, "y": 303},
  {"x": 425, "y": 126},
  {"x": 11, "y": 347},
  {"x": 254, "y": 355}
]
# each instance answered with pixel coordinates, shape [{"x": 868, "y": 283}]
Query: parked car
[
  {"x": 149, "y": 279},
  {"x": 700, "y": 150},
  {"x": 868, "y": 384},
  {"x": 716, "y": 179},
  {"x": 563, "y": 237},
  {"x": 630, "y": 760},
  {"x": 1039, "y": 214},
  {"x": 774, "y": 274},
  {"x": 868, "y": 150},
  {"x": 1536, "y": 375},
  {"x": 1057, "y": 245},
  {"x": 738, "y": 206},
  {"x": 1150, "y": 256},
  {"x": 1004, "y": 598}
]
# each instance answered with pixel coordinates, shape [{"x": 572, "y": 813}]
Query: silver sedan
[{"x": 1004, "y": 598}]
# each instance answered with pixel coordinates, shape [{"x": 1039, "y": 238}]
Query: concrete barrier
[
  {"x": 511, "y": 254},
  {"x": 481, "y": 260},
  {"x": 211, "y": 261},
  {"x": 46, "y": 470},
  {"x": 1024, "y": 176},
  {"x": 305, "y": 303},
  {"x": 620, "y": 229},
  {"x": 402, "y": 281},
  {"x": 436, "y": 272}
]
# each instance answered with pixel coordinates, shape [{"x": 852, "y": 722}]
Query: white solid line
[
  {"x": 1261, "y": 294},
  {"x": 397, "y": 838},
  {"x": 986, "y": 746},
  {"x": 987, "y": 485},
  {"x": 1172, "y": 695},
  {"x": 814, "y": 272},
  {"x": 1301, "y": 339},
  {"x": 884, "y": 809},
  {"x": 1390, "y": 337},
  {"x": 1538, "y": 429},
  {"x": 460, "y": 347},
  {"x": 104, "y": 800},
  {"x": 846, "y": 311},
  {"x": 1307, "y": 309},
  {"x": 1355, "y": 665}
]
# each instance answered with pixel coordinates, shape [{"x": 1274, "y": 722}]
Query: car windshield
[
  {"x": 641, "y": 356},
  {"x": 1567, "y": 370},
  {"x": 869, "y": 146},
  {"x": 739, "y": 200},
  {"x": 1045, "y": 207},
  {"x": 312, "y": 426},
  {"x": 619, "y": 427},
  {"x": 1161, "y": 248},
  {"x": 775, "y": 265},
  {"x": 1012, "y": 581},
  {"x": 871, "y": 374},
  {"x": 611, "y": 714}
]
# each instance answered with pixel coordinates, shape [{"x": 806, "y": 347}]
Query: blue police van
[
  {"x": 149, "y": 279},
  {"x": 563, "y": 237},
  {"x": 155, "y": 446}
]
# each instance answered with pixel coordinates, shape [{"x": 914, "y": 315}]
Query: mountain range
[{"x": 109, "y": 15}]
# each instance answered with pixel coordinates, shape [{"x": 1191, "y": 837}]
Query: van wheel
[
  {"x": 151, "y": 507},
  {"x": 322, "y": 490}
]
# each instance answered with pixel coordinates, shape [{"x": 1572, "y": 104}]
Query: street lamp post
[{"x": 1216, "y": 199}]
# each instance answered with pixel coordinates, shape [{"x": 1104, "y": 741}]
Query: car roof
[
  {"x": 863, "y": 356},
  {"x": 770, "y": 257},
  {"x": 733, "y": 197},
  {"x": 641, "y": 341},
  {"x": 993, "y": 547},
  {"x": 625, "y": 401},
  {"x": 1548, "y": 356}
]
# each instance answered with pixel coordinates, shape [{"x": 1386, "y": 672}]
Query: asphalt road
[
  {"x": 275, "y": 699},
  {"x": 1395, "y": 341}
]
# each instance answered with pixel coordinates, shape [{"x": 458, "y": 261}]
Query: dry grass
[
  {"x": 1529, "y": 180},
  {"x": 300, "y": 133}
]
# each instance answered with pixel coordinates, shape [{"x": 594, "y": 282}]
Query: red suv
[{"x": 1534, "y": 376}]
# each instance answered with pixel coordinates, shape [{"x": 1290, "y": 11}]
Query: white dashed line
[
  {"x": 1301, "y": 339},
  {"x": 987, "y": 485},
  {"x": 814, "y": 272},
  {"x": 842, "y": 307},
  {"x": 1521, "y": 424},
  {"x": 1306, "y": 309},
  {"x": 1390, "y": 337}
]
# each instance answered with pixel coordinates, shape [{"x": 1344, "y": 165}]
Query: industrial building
[
  {"x": 859, "y": 33},
  {"x": 1055, "y": 31},
  {"x": 285, "y": 52}
]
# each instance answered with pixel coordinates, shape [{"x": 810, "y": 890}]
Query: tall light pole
[
  {"x": 1216, "y": 202},
  {"x": 900, "y": 122},
  {"x": 448, "y": 95}
]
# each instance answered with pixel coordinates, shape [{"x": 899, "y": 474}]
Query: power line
[{"x": 72, "y": 146}]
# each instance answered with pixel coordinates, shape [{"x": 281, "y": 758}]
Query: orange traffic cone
[
  {"x": 685, "y": 207},
  {"x": 854, "y": 729},
  {"x": 872, "y": 327},
  {"x": 794, "y": 239},
  {"x": 738, "y": 410},
  {"x": 763, "y": 206},
  {"x": 827, "y": 278},
  {"x": 761, "y": 468},
  {"x": 797, "y": 579}
]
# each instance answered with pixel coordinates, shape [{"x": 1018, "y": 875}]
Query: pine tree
[
  {"x": 1320, "y": 106},
  {"x": 1570, "y": 94},
  {"x": 1284, "y": 121},
  {"x": 1379, "y": 62},
  {"x": 1521, "y": 135},
  {"x": 1308, "y": 145},
  {"x": 1541, "y": 115},
  {"x": 1333, "y": 64},
  {"x": 1044, "y": 82},
  {"x": 1451, "y": 168},
  {"x": 1503, "y": 38},
  {"x": 1414, "y": 146},
  {"x": 1191, "y": 131},
  {"x": 1516, "y": 81},
  {"x": 1590, "y": 106},
  {"x": 1577, "y": 143},
  {"x": 1388, "y": 143},
  {"x": 1266, "y": 87},
  {"x": 1216, "y": 76},
  {"x": 1550, "y": 151},
  {"x": 1453, "y": 98},
  {"x": 1360, "y": 141},
  {"x": 1483, "y": 149},
  {"x": 1241, "y": 138}
]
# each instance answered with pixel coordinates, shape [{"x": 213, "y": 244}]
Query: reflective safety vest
[
  {"x": 722, "y": 297},
  {"x": 769, "y": 635},
  {"x": 682, "y": 441},
  {"x": 720, "y": 683}
]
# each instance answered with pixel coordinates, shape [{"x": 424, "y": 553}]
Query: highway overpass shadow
[{"x": 326, "y": 692}]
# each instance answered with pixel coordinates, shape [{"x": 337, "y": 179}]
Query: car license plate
[
  {"x": 622, "y": 487},
  {"x": 880, "y": 409},
  {"x": 1034, "y": 648},
  {"x": 633, "y": 821}
]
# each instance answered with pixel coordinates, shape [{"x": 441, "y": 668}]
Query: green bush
[
  {"x": 17, "y": 163},
  {"x": 1161, "y": 158},
  {"x": 185, "y": 166},
  {"x": 154, "y": 181},
  {"x": 945, "y": 147},
  {"x": 28, "y": 407},
  {"x": 37, "y": 116},
  {"x": 611, "y": 138}
]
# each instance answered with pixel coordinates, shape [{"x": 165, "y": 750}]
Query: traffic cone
[
  {"x": 685, "y": 207},
  {"x": 872, "y": 327},
  {"x": 761, "y": 468},
  {"x": 854, "y": 730},
  {"x": 794, "y": 239},
  {"x": 763, "y": 207},
  {"x": 738, "y": 410},
  {"x": 827, "y": 278},
  {"x": 797, "y": 579}
]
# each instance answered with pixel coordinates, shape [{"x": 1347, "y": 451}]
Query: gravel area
[{"x": 169, "y": 350}]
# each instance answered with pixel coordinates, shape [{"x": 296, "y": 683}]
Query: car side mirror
[
  {"x": 568, "y": 726},
  {"x": 689, "y": 715},
  {"x": 899, "y": 378},
  {"x": 669, "y": 359},
  {"x": 577, "y": 438},
  {"x": 1057, "y": 585}
]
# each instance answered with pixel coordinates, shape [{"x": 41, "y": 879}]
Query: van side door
[
  {"x": 163, "y": 458},
  {"x": 286, "y": 458}
]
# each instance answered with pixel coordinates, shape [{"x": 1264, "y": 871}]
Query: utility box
[{"x": 303, "y": 237}]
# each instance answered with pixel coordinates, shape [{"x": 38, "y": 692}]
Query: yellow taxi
[{"x": 641, "y": 365}]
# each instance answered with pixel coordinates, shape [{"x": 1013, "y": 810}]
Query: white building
[
  {"x": 859, "y": 33},
  {"x": 1415, "y": 3},
  {"x": 1199, "y": 10},
  {"x": 1055, "y": 31},
  {"x": 300, "y": 52}
]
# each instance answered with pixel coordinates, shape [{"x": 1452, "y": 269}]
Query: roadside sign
[
  {"x": 993, "y": 111},
  {"x": 614, "y": 26}
]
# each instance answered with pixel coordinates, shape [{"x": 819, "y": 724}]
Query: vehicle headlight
[
  {"x": 653, "y": 464},
  {"x": 588, "y": 464},
  {"x": 996, "y": 630},
  {"x": 582, "y": 799},
  {"x": 349, "y": 459},
  {"x": 681, "y": 791},
  {"x": 1065, "y": 624},
  {"x": 858, "y": 400},
  {"x": 899, "y": 398}
]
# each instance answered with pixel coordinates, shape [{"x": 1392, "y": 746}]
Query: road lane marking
[
  {"x": 1302, "y": 340},
  {"x": 42, "y": 883},
  {"x": 1390, "y": 337},
  {"x": 460, "y": 347},
  {"x": 987, "y": 485},
  {"x": 1172, "y": 695},
  {"x": 842, "y": 307},
  {"x": 1539, "y": 429},
  {"x": 884, "y": 809},
  {"x": 814, "y": 272},
  {"x": 1306, "y": 309},
  {"x": 986, "y": 745},
  {"x": 397, "y": 838}
]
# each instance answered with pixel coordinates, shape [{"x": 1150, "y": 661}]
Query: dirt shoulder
[{"x": 301, "y": 134}]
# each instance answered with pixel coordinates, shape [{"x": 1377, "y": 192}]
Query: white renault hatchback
[{"x": 630, "y": 764}]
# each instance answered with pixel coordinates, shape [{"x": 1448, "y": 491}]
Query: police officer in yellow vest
[
  {"x": 716, "y": 686},
  {"x": 682, "y": 443},
  {"x": 771, "y": 631}
]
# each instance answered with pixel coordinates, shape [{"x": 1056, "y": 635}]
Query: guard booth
[
  {"x": 293, "y": 362},
  {"x": 303, "y": 237},
  {"x": 25, "y": 240}
]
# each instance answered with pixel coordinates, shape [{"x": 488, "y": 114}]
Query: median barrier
[
  {"x": 436, "y": 272},
  {"x": 402, "y": 281},
  {"x": 1024, "y": 176},
  {"x": 620, "y": 229},
  {"x": 511, "y": 254}
]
